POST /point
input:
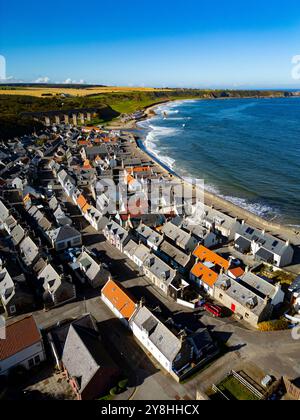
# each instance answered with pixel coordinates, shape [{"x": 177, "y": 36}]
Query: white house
[
  {"x": 116, "y": 235},
  {"x": 23, "y": 346},
  {"x": 138, "y": 253},
  {"x": 149, "y": 237},
  {"x": 119, "y": 301},
  {"x": 64, "y": 237},
  {"x": 262, "y": 246},
  {"x": 173, "y": 353}
]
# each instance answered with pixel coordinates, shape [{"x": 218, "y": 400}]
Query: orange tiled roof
[
  {"x": 86, "y": 208},
  {"x": 86, "y": 164},
  {"x": 26, "y": 198},
  {"x": 130, "y": 179},
  {"x": 120, "y": 299},
  {"x": 205, "y": 254},
  {"x": 81, "y": 201},
  {"x": 84, "y": 142},
  {"x": 204, "y": 273},
  {"x": 139, "y": 169}
]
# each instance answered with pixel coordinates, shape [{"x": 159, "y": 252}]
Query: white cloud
[
  {"x": 42, "y": 80},
  {"x": 10, "y": 79},
  {"x": 69, "y": 81}
]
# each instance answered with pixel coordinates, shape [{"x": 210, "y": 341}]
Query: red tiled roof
[
  {"x": 19, "y": 336},
  {"x": 237, "y": 272}
]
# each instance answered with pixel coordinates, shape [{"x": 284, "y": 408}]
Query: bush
[
  {"x": 123, "y": 384},
  {"x": 278, "y": 325},
  {"x": 114, "y": 391}
]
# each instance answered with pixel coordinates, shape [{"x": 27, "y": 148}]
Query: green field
[
  {"x": 110, "y": 102},
  {"x": 231, "y": 387}
]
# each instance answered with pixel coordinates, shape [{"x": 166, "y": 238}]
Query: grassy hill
[{"x": 110, "y": 101}]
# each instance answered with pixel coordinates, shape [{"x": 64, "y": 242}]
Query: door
[{"x": 233, "y": 307}]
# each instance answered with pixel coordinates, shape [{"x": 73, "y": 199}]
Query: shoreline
[
  {"x": 282, "y": 231},
  {"x": 212, "y": 200}
]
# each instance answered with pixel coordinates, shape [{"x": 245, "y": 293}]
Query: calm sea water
[{"x": 246, "y": 150}]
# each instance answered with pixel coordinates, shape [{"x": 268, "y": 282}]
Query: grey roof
[
  {"x": 96, "y": 150},
  {"x": 131, "y": 247},
  {"x": 4, "y": 212},
  {"x": 53, "y": 203},
  {"x": 243, "y": 243},
  {"x": 17, "y": 234},
  {"x": 265, "y": 240},
  {"x": 64, "y": 233},
  {"x": 175, "y": 254},
  {"x": 161, "y": 337},
  {"x": 117, "y": 230},
  {"x": 92, "y": 269},
  {"x": 50, "y": 278},
  {"x": 7, "y": 286},
  {"x": 29, "y": 250},
  {"x": 259, "y": 285},
  {"x": 160, "y": 269},
  {"x": 150, "y": 235},
  {"x": 142, "y": 252},
  {"x": 197, "y": 230},
  {"x": 219, "y": 219},
  {"x": 177, "y": 235},
  {"x": 241, "y": 294},
  {"x": 265, "y": 255},
  {"x": 84, "y": 355}
]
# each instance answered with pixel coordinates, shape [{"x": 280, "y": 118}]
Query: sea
[{"x": 246, "y": 150}]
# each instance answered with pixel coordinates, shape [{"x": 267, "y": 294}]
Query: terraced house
[
  {"x": 159, "y": 273},
  {"x": 207, "y": 268},
  {"x": 263, "y": 247}
]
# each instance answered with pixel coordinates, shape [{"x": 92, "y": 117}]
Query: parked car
[
  {"x": 235, "y": 261},
  {"x": 214, "y": 310}
]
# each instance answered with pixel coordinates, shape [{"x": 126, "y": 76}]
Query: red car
[{"x": 213, "y": 309}]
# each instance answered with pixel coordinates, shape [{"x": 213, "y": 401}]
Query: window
[
  {"x": 220, "y": 296},
  {"x": 247, "y": 316},
  {"x": 37, "y": 360},
  {"x": 30, "y": 363},
  {"x": 12, "y": 309}
]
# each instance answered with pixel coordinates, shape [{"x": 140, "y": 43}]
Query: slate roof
[
  {"x": 150, "y": 235},
  {"x": 4, "y": 212},
  {"x": 167, "y": 343},
  {"x": 84, "y": 355},
  {"x": 17, "y": 234},
  {"x": 29, "y": 250},
  {"x": 64, "y": 233},
  {"x": 265, "y": 240},
  {"x": 160, "y": 269}
]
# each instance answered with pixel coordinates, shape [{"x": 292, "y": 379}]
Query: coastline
[{"x": 221, "y": 204}]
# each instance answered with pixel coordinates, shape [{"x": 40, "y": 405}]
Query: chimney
[
  {"x": 141, "y": 302},
  {"x": 288, "y": 243}
]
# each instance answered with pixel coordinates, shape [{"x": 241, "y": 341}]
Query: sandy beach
[{"x": 226, "y": 207}]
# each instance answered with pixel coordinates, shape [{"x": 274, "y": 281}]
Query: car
[
  {"x": 213, "y": 309},
  {"x": 235, "y": 261}
]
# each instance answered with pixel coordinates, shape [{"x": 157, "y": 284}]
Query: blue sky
[{"x": 158, "y": 43}]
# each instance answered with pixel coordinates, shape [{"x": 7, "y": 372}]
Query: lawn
[{"x": 232, "y": 386}]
